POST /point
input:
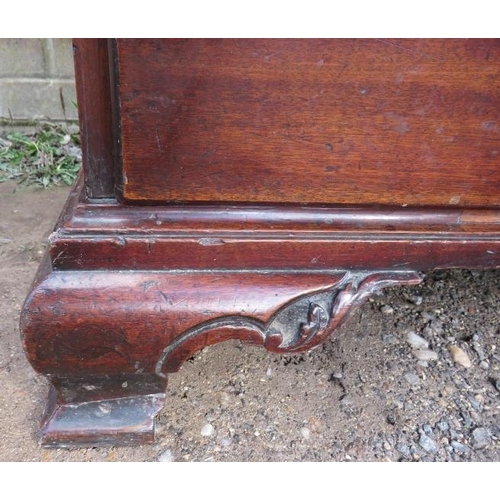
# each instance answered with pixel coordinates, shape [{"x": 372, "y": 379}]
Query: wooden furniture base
[{"x": 181, "y": 234}]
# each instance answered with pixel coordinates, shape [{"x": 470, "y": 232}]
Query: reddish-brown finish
[
  {"x": 424, "y": 253},
  {"x": 311, "y": 121},
  {"x": 108, "y": 339},
  {"x": 100, "y": 323},
  {"x": 94, "y": 109},
  {"x": 130, "y": 289}
]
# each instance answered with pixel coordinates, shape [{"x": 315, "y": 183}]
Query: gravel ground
[{"x": 414, "y": 376}]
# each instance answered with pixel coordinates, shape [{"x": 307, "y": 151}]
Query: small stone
[
  {"x": 166, "y": 456},
  {"x": 475, "y": 403},
  {"x": 225, "y": 442},
  {"x": 428, "y": 444},
  {"x": 412, "y": 378},
  {"x": 404, "y": 449},
  {"x": 207, "y": 430},
  {"x": 305, "y": 433},
  {"x": 417, "y": 300},
  {"x": 484, "y": 365},
  {"x": 387, "y": 310},
  {"x": 427, "y": 429},
  {"x": 481, "y": 438},
  {"x": 225, "y": 397},
  {"x": 389, "y": 338},
  {"x": 427, "y": 316},
  {"x": 460, "y": 447},
  {"x": 443, "y": 425},
  {"x": 425, "y": 355},
  {"x": 269, "y": 372},
  {"x": 416, "y": 340},
  {"x": 391, "y": 419},
  {"x": 460, "y": 356}
]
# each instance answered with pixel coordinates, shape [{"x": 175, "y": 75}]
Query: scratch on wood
[
  {"x": 164, "y": 297},
  {"x": 210, "y": 241},
  {"x": 158, "y": 142},
  {"x": 411, "y": 51},
  {"x": 146, "y": 286}
]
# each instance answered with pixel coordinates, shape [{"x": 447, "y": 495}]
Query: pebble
[
  {"x": 412, "y": 378},
  {"x": 417, "y": 300},
  {"x": 207, "y": 430},
  {"x": 426, "y": 316},
  {"x": 416, "y": 340},
  {"x": 387, "y": 310},
  {"x": 305, "y": 433},
  {"x": 475, "y": 403},
  {"x": 427, "y": 429},
  {"x": 443, "y": 425},
  {"x": 425, "y": 355},
  {"x": 460, "y": 447},
  {"x": 481, "y": 438},
  {"x": 166, "y": 456},
  {"x": 389, "y": 338},
  {"x": 225, "y": 442},
  {"x": 391, "y": 419},
  {"x": 428, "y": 444},
  {"x": 404, "y": 449},
  {"x": 460, "y": 356}
]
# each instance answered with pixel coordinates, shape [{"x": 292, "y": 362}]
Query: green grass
[{"x": 51, "y": 156}]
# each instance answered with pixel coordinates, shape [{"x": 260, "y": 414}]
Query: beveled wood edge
[
  {"x": 107, "y": 235},
  {"x": 83, "y": 216}
]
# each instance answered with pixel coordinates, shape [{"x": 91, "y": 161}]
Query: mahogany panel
[
  {"x": 395, "y": 122},
  {"x": 307, "y": 254}
]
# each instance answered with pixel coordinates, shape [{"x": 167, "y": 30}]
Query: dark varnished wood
[
  {"x": 334, "y": 251},
  {"x": 311, "y": 121},
  {"x": 268, "y": 187},
  {"x": 83, "y": 411},
  {"x": 94, "y": 109},
  {"x": 107, "y": 340}
]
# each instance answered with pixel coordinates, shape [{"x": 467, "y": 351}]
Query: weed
[{"x": 49, "y": 157}]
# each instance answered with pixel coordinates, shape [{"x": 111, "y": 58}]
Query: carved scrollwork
[{"x": 304, "y": 322}]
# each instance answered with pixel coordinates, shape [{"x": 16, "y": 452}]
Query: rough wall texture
[{"x": 36, "y": 81}]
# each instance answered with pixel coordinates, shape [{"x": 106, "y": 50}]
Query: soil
[{"x": 370, "y": 393}]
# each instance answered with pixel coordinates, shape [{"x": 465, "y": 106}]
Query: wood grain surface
[
  {"x": 325, "y": 121},
  {"x": 93, "y": 85}
]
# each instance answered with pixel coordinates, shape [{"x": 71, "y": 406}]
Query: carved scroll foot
[
  {"x": 102, "y": 411},
  {"x": 107, "y": 340},
  {"x": 297, "y": 326}
]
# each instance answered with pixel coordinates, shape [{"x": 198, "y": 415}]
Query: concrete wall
[{"x": 36, "y": 81}]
